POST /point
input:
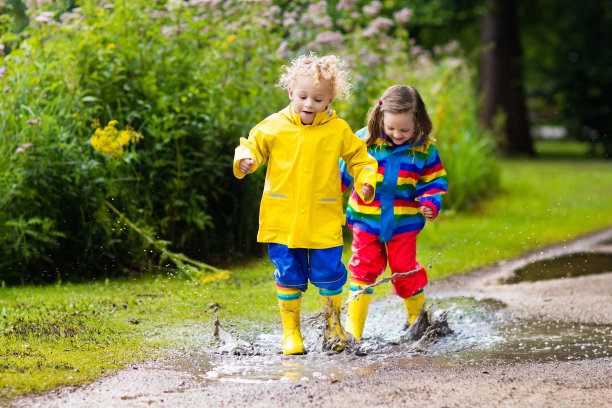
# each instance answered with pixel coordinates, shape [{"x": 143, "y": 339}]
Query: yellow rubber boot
[
  {"x": 333, "y": 334},
  {"x": 414, "y": 304},
  {"x": 292, "y": 336},
  {"x": 357, "y": 313}
]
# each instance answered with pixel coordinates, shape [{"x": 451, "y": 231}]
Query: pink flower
[
  {"x": 332, "y": 38},
  {"x": 379, "y": 25},
  {"x": 3, "y": 70},
  {"x": 345, "y": 5},
  {"x": 33, "y": 121},
  {"x": 373, "y": 59},
  {"x": 452, "y": 46},
  {"x": 373, "y": 9},
  {"x": 158, "y": 13},
  {"x": 23, "y": 147},
  {"x": 327, "y": 22},
  {"x": 403, "y": 16},
  {"x": 369, "y": 31},
  {"x": 453, "y": 62},
  {"x": 382, "y": 23},
  {"x": 44, "y": 17},
  {"x": 261, "y": 22},
  {"x": 283, "y": 50},
  {"x": 318, "y": 9}
]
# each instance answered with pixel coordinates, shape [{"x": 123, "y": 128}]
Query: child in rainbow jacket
[
  {"x": 301, "y": 213},
  {"x": 410, "y": 185}
]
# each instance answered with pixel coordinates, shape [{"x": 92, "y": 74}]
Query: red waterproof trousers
[{"x": 370, "y": 257}]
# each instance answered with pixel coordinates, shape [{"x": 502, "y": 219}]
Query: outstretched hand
[
  {"x": 245, "y": 165},
  {"x": 427, "y": 212},
  {"x": 367, "y": 191}
]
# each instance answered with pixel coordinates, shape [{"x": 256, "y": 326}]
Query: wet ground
[{"x": 518, "y": 338}]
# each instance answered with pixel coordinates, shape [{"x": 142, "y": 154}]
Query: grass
[{"x": 73, "y": 333}]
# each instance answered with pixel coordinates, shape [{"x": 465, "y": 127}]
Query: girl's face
[
  {"x": 399, "y": 127},
  {"x": 309, "y": 98}
]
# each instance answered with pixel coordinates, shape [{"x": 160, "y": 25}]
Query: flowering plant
[{"x": 112, "y": 142}]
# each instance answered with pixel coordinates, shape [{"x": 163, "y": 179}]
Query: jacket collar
[
  {"x": 385, "y": 141},
  {"x": 320, "y": 118}
]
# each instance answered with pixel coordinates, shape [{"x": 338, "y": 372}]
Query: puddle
[
  {"x": 565, "y": 266},
  {"x": 481, "y": 334}
]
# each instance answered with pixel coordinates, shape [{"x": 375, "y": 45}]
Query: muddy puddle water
[{"x": 481, "y": 334}]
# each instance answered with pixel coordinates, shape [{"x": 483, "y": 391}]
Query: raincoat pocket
[
  {"x": 328, "y": 218},
  {"x": 276, "y": 213}
]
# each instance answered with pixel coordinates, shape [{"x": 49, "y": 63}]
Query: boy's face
[{"x": 309, "y": 99}]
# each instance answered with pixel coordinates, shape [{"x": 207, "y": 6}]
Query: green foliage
[
  {"x": 181, "y": 85},
  {"x": 190, "y": 78},
  {"x": 568, "y": 76}
]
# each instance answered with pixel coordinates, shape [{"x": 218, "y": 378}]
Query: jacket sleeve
[
  {"x": 345, "y": 177},
  {"x": 362, "y": 167},
  {"x": 432, "y": 183},
  {"x": 256, "y": 147}
]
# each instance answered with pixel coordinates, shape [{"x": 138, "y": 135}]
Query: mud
[{"x": 509, "y": 341}]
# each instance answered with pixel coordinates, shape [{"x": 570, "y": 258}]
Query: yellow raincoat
[{"x": 301, "y": 206}]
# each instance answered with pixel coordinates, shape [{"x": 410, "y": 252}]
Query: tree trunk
[{"x": 501, "y": 78}]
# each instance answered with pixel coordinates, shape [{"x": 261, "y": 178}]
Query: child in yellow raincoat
[{"x": 301, "y": 214}]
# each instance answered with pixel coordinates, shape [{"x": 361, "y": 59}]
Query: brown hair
[{"x": 400, "y": 99}]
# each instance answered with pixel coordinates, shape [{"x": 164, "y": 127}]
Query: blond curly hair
[{"x": 330, "y": 67}]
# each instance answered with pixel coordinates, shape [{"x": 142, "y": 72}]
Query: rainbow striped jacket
[{"x": 408, "y": 176}]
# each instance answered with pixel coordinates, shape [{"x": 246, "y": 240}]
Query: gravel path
[{"x": 413, "y": 382}]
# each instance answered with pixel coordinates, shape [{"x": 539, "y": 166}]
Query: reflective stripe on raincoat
[{"x": 301, "y": 206}]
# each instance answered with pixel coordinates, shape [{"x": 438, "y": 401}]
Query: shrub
[{"x": 188, "y": 79}]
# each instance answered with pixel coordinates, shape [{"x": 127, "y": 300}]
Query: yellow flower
[
  {"x": 111, "y": 46},
  {"x": 220, "y": 275},
  {"x": 112, "y": 142},
  {"x": 231, "y": 38}
]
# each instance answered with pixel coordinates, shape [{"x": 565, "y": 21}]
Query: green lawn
[{"x": 73, "y": 333}]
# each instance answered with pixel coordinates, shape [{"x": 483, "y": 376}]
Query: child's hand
[
  {"x": 367, "y": 191},
  {"x": 427, "y": 212},
  {"x": 245, "y": 165}
]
